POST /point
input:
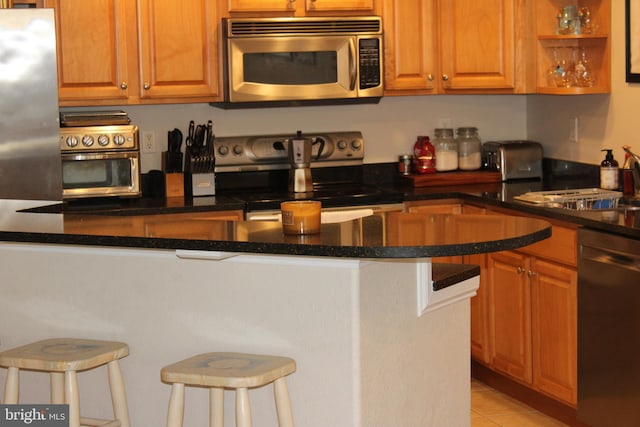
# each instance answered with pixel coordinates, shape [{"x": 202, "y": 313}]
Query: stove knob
[
  {"x": 103, "y": 140},
  {"x": 342, "y": 144},
  {"x": 223, "y": 150},
  {"x": 356, "y": 144},
  {"x": 87, "y": 140},
  {"x": 71, "y": 141},
  {"x": 237, "y": 149},
  {"x": 118, "y": 139}
]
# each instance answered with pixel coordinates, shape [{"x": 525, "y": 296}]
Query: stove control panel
[
  {"x": 99, "y": 138},
  {"x": 270, "y": 152}
]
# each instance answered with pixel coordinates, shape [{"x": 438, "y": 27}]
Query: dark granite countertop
[{"x": 381, "y": 235}]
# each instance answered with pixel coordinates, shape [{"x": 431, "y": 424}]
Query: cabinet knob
[
  {"x": 430, "y": 77},
  {"x": 520, "y": 270},
  {"x": 445, "y": 78},
  {"x": 124, "y": 85},
  {"x": 146, "y": 86},
  {"x": 531, "y": 273}
]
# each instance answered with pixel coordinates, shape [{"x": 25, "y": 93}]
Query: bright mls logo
[{"x": 34, "y": 415}]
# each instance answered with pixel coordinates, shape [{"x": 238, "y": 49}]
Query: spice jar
[
  {"x": 446, "y": 150},
  {"x": 405, "y": 162},
  {"x": 469, "y": 149}
]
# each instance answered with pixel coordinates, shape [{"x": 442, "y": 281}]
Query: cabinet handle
[
  {"x": 146, "y": 86},
  {"x": 124, "y": 85},
  {"x": 519, "y": 270},
  {"x": 445, "y": 78}
]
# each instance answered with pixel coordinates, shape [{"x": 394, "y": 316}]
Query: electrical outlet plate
[{"x": 148, "y": 142}]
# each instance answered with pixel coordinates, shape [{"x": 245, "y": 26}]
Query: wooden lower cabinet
[
  {"x": 532, "y": 308},
  {"x": 441, "y": 207},
  {"x": 524, "y": 315}
]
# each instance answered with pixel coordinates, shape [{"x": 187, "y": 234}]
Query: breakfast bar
[{"x": 375, "y": 342}]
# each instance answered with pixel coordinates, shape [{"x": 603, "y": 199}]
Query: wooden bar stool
[
  {"x": 62, "y": 358},
  {"x": 237, "y": 371}
]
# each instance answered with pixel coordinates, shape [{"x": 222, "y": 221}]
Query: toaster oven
[{"x": 513, "y": 159}]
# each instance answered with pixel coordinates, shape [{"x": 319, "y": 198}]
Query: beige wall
[{"x": 605, "y": 121}]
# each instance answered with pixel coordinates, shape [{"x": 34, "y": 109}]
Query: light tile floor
[{"x": 490, "y": 408}]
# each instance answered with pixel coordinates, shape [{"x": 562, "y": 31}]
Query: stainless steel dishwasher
[{"x": 608, "y": 330}]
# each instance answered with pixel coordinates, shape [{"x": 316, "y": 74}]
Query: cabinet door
[
  {"x": 554, "y": 326},
  {"x": 261, "y": 6},
  {"x": 477, "y": 39},
  {"x": 94, "y": 44},
  {"x": 479, "y": 303},
  {"x": 178, "y": 49},
  {"x": 422, "y": 228},
  {"x": 410, "y": 46},
  {"x": 339, "y": 5},
  {"x": 510, "y": 314}
]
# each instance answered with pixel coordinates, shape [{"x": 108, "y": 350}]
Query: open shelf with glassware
[{"x": 573, "y": 47}]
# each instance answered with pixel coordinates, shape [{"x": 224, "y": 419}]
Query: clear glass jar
[
  {"x": 446, "y": 150},
  {"x": 469, "y": 149}
]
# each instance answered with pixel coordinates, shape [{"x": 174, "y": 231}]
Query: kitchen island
[{"x": 375, "y": 345}]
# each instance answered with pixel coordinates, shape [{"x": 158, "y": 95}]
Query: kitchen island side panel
[
  {"x": 415, "y": 369},
  {"x": 363, "y": 355},
  {"x": 168, "y": 308}
]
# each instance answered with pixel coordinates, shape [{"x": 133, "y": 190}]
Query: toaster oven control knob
[
  {"x": 71, "y": 141},
  {"x": 356, "y": 144},
  {"x": 237, "y": 149},
  {"x": 118, "y": 139},
  {"x": 223, "y": 150},
  {"x": 342, "y": 144},
  {"x": 103, "y": 140},
  {"x": 87, "y": 140}
]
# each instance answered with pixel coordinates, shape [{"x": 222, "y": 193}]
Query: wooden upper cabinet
[
  {"x": 94, "y": 55},
  {"x": 261, "y": 6},
  {"x": 113, "y": 52},
  {"x": 178, "y": 48},
  {"x": 477, "y": 44},
  {"x": 410, "y": 46},
  {"x": 339, "y": 5},
  {"x": 300, "y": 7},
  {"x": 461, "y": 46}
]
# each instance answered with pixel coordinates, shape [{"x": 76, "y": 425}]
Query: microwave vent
[{"x": 303, "y": 26}]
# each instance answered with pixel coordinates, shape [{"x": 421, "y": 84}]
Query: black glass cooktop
[{"x": 329, "y": 195}]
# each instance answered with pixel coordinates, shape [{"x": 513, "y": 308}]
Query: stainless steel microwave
[{"x": 297, "y": 60}]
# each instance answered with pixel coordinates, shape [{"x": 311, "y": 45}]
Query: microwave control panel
[{"x": 369, "y": 57}]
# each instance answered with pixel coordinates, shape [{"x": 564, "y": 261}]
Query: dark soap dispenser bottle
[{"x": 609, "y": 172}]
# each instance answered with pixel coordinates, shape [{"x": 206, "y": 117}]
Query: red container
[{"x": 424, "y": 156}]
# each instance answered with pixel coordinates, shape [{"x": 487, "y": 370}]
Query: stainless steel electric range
[{"x": 255, "y": 169}]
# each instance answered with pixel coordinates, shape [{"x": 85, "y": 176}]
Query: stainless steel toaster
[{"x": 514, "y": 159}]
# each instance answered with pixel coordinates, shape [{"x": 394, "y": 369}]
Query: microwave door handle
[{"x": 352, "y": 63}]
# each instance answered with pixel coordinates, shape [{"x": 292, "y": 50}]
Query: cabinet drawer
[{"x": 562, "y": 246}]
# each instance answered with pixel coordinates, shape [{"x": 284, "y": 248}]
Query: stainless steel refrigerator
[{"x": 30, "y": 164}]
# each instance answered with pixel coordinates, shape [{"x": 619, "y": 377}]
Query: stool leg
[
  {"x": 243, "y": 409},
  {"x": 216, "y": 407},
  {"x": 57, "y": 388},
  {"x": 12, "y": 386},
  {"x": 283, "y": 403},
  {"x": 175, "y": 415},
  {"x": 72, "y": 398},
  {"x": 118, "y": 394}
]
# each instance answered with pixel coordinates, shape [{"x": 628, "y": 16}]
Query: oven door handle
[{"x": 352, "y": 64}]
